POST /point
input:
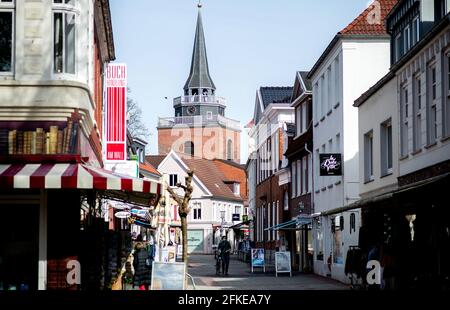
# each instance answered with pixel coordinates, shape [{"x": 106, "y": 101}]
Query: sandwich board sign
[
  {"x": 257, "y": 259},
  {"x": 168, "y": 276},
  {"x": 283, "y": 263}
]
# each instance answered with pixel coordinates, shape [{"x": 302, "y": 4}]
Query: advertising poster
[
  {"x": 330, "y": 165},
  {"x": 283, "y": 263},
  {"x": 258, "y": 259},
  {"x": 168, "y": 276}
]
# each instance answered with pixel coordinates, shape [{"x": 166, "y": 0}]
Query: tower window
[
  {"x": 230, "y": 150},
  {"x": 189, "y": 148}
]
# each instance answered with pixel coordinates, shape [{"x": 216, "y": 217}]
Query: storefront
[{"x": 56, "y": 222}]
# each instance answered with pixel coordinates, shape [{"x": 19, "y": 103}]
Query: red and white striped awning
[{"x": 70, "y": 176}]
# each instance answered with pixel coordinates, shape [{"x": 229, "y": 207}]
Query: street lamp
[{"x": 222, "y": 216}]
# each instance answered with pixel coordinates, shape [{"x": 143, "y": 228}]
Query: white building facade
[
  {"x": 349, "y": 66},
  {"x": 210, "y": 216}
]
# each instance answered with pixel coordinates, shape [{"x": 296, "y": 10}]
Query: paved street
[{"x": 202, "y": 268}]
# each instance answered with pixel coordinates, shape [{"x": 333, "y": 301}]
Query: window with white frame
[
  {"x": 6, "y": 36},
  {"x": 304, "y": 175},
  {"x": 336, "y": 80},
  {"x": 197, "y": 211},
  {"x": 368, "y": 157},
  {"x": 64, "y": 36},
  {"x": 305, "y": 124},
  {"x": 446, "y": 99},
  {"x": 323, "y": 99},
  {"x": 432, "y": 104},
  {"x": 338, "y": 143},
  {"x": 416, "y": 30},
  {"x": 310, "y": 167},
  {"x": 317, "y": 171},
  {"x": 237, "y": 189},
  {"x": 299, "y": 178},
  {"x": 417, "y": 113},
  {"x": 294, "y": 179},
  {"x": 407, "y": 38},
  {"x": 398, "y": 47},
  {"x": 329, "y": 90},
  {"x": 298, "y": 120},
  {"x": 386, "y": 147},
  {"x": 173, "y": 180},
  {"x": 404, "y": 116},
  {"x": 316, "y": 102}
]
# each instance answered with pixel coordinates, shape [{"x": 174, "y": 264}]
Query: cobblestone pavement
[{"x": 202, "y": 269}]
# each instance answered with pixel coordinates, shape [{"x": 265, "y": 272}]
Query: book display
[{"x": 55, "y": 140}]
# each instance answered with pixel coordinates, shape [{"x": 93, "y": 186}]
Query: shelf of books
[{"x": 43, "y": 140}]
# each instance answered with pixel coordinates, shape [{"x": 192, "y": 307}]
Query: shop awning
[
  {"x": 71, "y": 176},
  {"x": 295, "y": 224}
]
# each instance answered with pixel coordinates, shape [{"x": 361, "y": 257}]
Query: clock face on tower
[{"x": 191, "y": 110}]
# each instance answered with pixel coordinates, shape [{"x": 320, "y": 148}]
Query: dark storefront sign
[
  {"x": 236, "y": 217},
  {"x": 330, "y": 165}
]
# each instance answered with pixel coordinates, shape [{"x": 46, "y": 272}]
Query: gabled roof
[
  {"x": 302, "y": 84},
  {"x": 199, "y": 75},
  {"x": 155, "y": 160},
  {"x": 208, "y": 173},
  {"x": 371, "y": 23},
  {"x": 149, "y": 168},
  {"x": 308, "y": 82},
  {"x": 271, "y": 95}
]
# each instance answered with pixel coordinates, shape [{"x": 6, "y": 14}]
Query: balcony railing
[
  {"x": 187, "y": 100},
  {"x": 198, "y": 121}
]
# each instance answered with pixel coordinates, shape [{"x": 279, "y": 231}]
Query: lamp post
[{"x": 222, "y": 216}]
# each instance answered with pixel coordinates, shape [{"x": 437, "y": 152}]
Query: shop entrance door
[{"x": 19, "y": 247}]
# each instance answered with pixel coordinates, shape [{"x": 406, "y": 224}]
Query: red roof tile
[
  {"x": 372, "y": 21},
  {"x": 149, "y": 168}
]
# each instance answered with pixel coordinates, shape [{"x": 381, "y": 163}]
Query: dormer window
[{"x": 237, "y": 189}]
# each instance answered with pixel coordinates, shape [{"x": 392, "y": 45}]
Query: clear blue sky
[{"x": 251, "y": 43}]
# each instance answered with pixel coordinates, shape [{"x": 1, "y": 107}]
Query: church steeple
[{"x": 199, "y": 81}]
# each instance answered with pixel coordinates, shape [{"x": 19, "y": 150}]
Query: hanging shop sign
[
  {"x": 116, "y": 113},
  {"x": 283, "y": 263},
  {"x": 122, "y": 215},
  {"x": 236, "y": 217},
  {"x": 330, "y": 165}
]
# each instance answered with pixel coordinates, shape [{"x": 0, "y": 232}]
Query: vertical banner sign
[{"x": 116, "y": 113}]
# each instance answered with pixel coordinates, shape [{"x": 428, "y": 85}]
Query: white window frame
[
  {"x": 416, "y": 30},
  {"x": 368, "y": 157},
  {"x": 432, "y": 102},
  {"x": 337, "y": 70},
  {"x": 294, "y": 179},
  {"x": 386, "y": 149},
  {"x": 170, "y": 180},
  {"x": 304, "y": 175},
  {"x": 64, "y": 9},
  {"x": 209, "y": 115},
  {"x": 446, "y": 99},
  {"x": 406, "y": 39},
  {"x": 10, "y": 7},
  {"x": 195, "y": 207},
  {"x": 299, "y": 178},
  {"x": 329, "y": 90},
  {"x": 398, "y": 47},
  {"x": 404, "y": 121},
  {"x": 417, "y": 113}
]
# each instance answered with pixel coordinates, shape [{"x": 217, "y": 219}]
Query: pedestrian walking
[
  {"x": 225, "y": 249},
  {"x": 142, "y": 269}
]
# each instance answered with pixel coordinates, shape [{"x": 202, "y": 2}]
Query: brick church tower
[{"x": 199, "y": 127}]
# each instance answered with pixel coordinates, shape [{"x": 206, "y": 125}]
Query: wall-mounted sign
[
  {"x": 236, "y": 217},
  {"x": 122, "y": 215},
  {"x": 330, "y": 165},
  {"x": 115, "y": 113}
]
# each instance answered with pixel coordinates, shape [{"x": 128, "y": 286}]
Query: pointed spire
[{"x": 199, "y": 77}]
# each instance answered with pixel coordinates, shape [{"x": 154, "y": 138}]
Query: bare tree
[
  {"x": 135, "y": 124},
  {"x": 183, "y": 210}
]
